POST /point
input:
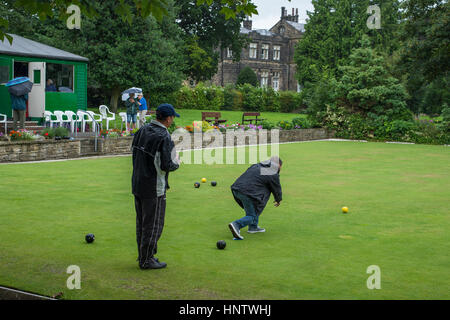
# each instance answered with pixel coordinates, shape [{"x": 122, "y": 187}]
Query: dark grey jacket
[
  {"x": 257, "y": 183},
  {"x": 152, "y": 161}
]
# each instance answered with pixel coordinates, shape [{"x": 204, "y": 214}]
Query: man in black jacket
[
  {"x": 154, "y": 156},
  {"x": 252, "y": 191}
]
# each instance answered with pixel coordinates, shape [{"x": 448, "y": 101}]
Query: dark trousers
[
  {"x": 150, "y": 215},
  {"x": 18, "y": 116}
]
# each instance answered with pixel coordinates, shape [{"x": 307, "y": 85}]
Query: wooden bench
[
  {"x": 215, "y": 115},
  {"x": 254, "y": 117}
]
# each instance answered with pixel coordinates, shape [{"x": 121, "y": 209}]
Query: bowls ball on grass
[
  {"x": 203, "y": 180},
  {"x": 221, "y": 244},
  {"x": 197, "y": 185},
  {"x": 90, "y": 237},
  {"x": 213, "y": 183},
  {"x": 344, "y": 209}
]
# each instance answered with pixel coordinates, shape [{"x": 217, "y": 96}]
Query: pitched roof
[
  {"x": 29, "y": 48},
  {"x": 262, "y": 32},
  {"x": 299, "y": 26}
]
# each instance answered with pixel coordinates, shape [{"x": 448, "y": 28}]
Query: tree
[
  {"x": 146, "y": 53},
  {"x": 201, "y": 64},
  {"x": 366, "y": 87},
  {"x": 122, "y": 8},
  {"x": 247, "y": 75},
  {"x": 212, "y": 30},
  {"x": 425, "y": 54},
  {"x": 334, "y": 28}
]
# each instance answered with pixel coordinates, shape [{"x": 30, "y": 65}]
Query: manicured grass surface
[
  {"x": 398, "y": 219},
  {"x": 188, "y": 116}
]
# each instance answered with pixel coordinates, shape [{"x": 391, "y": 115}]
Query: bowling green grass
[{"x": 397, "y": 195}]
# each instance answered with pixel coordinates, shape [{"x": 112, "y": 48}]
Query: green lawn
[
  {"x": 187, "y": 116},
  {"x": 398, "y": 219}
]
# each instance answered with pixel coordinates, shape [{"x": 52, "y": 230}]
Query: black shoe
[{"x": 153, "y": 263}]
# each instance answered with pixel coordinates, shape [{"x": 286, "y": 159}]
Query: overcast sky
[{"x": 270, "y": 11}]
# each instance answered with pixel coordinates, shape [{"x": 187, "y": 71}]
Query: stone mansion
[{"x": 270, "y": 54}]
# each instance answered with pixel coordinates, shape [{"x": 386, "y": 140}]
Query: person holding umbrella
[
  {"x": 132, "y": 110},
  {"x": 18, "y": 89}
]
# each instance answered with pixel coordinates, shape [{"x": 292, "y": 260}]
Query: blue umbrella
[{"x": 19, "y": 86}]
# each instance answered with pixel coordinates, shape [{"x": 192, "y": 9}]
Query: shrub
[
  {"x": 48, "y": 133},
  {"x": 285, "y": 125},
  {"x": 229, "y": 93},
  {"x": 301, "y": 123},
  {"x": 238, "y": 100},
  {"x": 247, "y": 76},
  {"x": 271, "y": 100},
  {"x": 290, "y": 101},
  {"x": 445, "y": 113},
  {"x": 252, "y": 98},
  {"x": 268, "y": 125},
  {"x": 61, "y": 132},
  {"x": 185, "y": 98}
]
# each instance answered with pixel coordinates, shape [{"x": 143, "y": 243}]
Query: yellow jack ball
[
  {"x": 344, "y": 209},
  {"x": 204, "y": 180}
]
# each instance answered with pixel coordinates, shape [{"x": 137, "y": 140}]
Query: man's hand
[{"x": 276, "y": 204}]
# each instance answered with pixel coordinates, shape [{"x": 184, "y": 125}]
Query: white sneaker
[
  {"x": 255, "y": 230},
  {"x": 235, "y": 231}
]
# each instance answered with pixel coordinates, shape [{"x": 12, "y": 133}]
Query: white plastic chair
[
  {"x": 84, "y": 117},
  {"x": 72, "y": 118},
  {"x": 3, "y": 119},
  {"x": 123, "y": 115},
  {"x": 50, "y": 117},
  {"x": 62, "y": 117},
  {"x": 104, "y": 111},
  {"x": 97, "y": 118}
]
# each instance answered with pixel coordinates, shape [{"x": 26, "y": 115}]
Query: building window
[
  {"x": 229, "y": 53},
  {"x": 276, "y": 52},
  {"x": 264, "y": 79},
  {"x": 282, "y": 30},
  {"x": 61, "y": 76},
  {"x": 4, "y": 74},
  {"x": 265, "y": 52},
  {"x": 253, "y": 50},
  {"x": 276, "y": 81}
]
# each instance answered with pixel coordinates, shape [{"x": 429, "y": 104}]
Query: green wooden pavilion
[{"x": 59, "y": 77}]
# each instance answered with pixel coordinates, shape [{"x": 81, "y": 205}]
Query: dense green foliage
[
  {"x": 424, "y": 58},
  {"x": 207, "y": 27},
  {"x": 335, "y": 28},
  {"x": 245, "y": 97},
  {"x": 43, "y": 9},
  {"x": 247, "y": 75},
  {"x": 370, "y": 91}
]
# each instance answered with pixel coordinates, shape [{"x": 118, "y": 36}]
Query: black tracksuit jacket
[
  {"x": 153, "y": 150},
  {"x": 257, "y": 186}
]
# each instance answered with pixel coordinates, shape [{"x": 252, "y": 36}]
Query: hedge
[{"x": 240, "y": 98}]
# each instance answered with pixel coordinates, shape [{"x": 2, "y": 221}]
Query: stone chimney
[
  {"x": 293, "y": 17},
  {"x": 247, "y": 24}
]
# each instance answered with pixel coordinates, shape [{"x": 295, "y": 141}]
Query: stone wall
[
  {"x": 67, "y": 149},
  {"x": 39, "y": 150}
]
